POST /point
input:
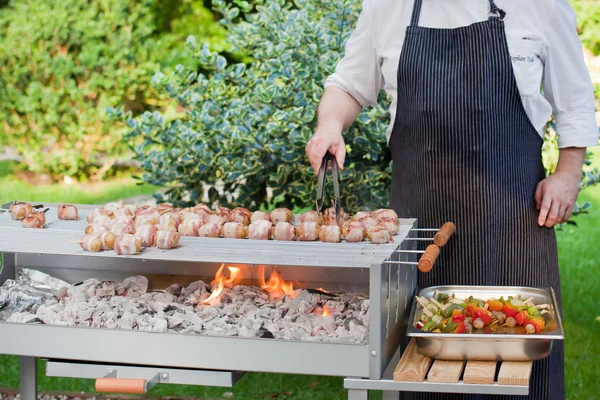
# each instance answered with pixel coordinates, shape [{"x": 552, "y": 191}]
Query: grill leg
[
  {"x": 358, "y": 394},
  {"x": 390, "y": 395},
  {"x": 28, "y": 386}
]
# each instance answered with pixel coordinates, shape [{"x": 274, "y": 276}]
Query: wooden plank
[
  {"x": 445, "y": 371},
  {"x": 480, "y": 372},
  {"x": 413, "y": 366},
  {"x": 515, "y": 373}
]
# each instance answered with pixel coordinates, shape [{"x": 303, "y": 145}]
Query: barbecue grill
[{"x": 134, "y": 361}]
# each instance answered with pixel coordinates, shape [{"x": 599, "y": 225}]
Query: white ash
[{"x": 244, "y": 311}]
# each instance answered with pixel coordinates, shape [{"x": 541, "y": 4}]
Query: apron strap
[{"x": 414, "y": 21}]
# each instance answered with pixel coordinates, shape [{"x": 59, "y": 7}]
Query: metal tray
[{"x": 488, "y": 347}]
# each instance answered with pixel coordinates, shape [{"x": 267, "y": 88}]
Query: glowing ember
[
  {"x": 324, "y": 311},
  {"x": 221, "y": 282},
  {"x": 276, "y": 286}
]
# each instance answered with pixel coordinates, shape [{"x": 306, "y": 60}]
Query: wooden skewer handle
[
  {"x": 428, "y": 258},
  {"x": 443, "y": 235},
  {"x": 121, "y": 385}
]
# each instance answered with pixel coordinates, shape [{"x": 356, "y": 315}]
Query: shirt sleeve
[
  {"x": 567, "y": 84},
  {"x": 359, "y": 71}
]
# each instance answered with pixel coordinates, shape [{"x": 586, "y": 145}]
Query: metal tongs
[{"x": 336, "y": 185}]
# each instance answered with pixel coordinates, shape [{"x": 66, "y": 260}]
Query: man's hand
[
  {"x": 555, "y": 197},
  {"x": 326, "y": 138}
]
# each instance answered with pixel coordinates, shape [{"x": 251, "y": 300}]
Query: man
[{"x": 468, "y": 120}]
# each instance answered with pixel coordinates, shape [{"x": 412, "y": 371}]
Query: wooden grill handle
[
  {"x": 443, "y": 235},
  {"x": 428, "y": 258},
  {"x": 121, "y": 385}
]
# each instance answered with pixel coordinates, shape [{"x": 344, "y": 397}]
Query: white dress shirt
[{"x": 543, "y": 44}]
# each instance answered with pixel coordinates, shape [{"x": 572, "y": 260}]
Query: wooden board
[
  {"x": 515, "y": 373},
  {"x": 480, "y": 372},
  {"x": 413, "y": 366},
  {"x": 445, "y": 371}
]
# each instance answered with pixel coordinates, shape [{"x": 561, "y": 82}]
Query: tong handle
[
  {"x": 428, "y": 258},
  {"x": 121, "y": 385},
  {"x": 336, "y": 182},
  {"x": 443, "y": 235}
]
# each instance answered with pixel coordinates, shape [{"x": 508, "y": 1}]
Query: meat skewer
[
  {"x": 103, "y": 220},
  {"x": 167, "y": 227},
  {"x": 210, "y": 230},
  {"x": 91, "y": 242},
  {"x": 95, "y": 228},
  {"x": 385, "y": 213},
  {"x": 202, "y": 209},
  {"x": 260, "y": 215},
  {"x": 241, "y": 215},
  {"x": 308, "y": 231},
  {"x": 108, "y": 240},
  {"x": 215, "y": 219},
  {"x": 260, "y": 230},
  {"x": 329, "y": 217},
  {"x": 223, "y": 212},
  {"x": 36, "y": 220},
  {"x": 167, "y": 240},
  {"x": 128, "y": 245},
  {"x": 234, "y": 230},
  {"x": 189, "y": 227},
  {"x": 123, "y": 229},
  {"x": 330, "y": 233},
  {"x": 123, "y": 212},
  {"x": 164, "y": 208},
  {"x": 379, "y": 234},
  {"x": 311, "y": 216},
  {"x": 20, "y": 210},
  {"x": 280, "y": 215},
  {"x": 97, "y": 212},
  {"x": 353, "y": 231},
  {"x": 284, "y": 231},
  {"x": 169, "y": 218},
  {"x": 147, "y": 235}
]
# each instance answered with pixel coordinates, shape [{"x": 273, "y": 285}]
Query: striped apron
[{"x": 464, "y": 150}]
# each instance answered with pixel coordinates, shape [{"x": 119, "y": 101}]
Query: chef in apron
[{"x": 468, "y": 119}]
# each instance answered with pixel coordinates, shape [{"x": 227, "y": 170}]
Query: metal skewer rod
[
  {"x": 420, "y": 239},
  {"x": 402, "y": 262},
  {"x": 426, "y": 229},
  {"x": 410, "y": 251}
]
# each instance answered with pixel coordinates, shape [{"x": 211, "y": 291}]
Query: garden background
[{"x": 214, "y": 101}]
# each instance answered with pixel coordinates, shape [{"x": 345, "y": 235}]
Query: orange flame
[
  {"x": 221, "y": 282},
  {"x": 276, "y": 286},
  {"x": 322, "y": 311}
]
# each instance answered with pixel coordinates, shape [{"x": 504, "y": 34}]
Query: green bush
[
  {"x": 63, "y": 62},
  {"x": 244, "y": 127},
  {"x": 588, "y": 23}
]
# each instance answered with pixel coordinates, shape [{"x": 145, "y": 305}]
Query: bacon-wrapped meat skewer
[
  {"x": 189, "y": 227},
  {"x": 210, "y": 230},
  {"x": 20, "y": 210},
  {"x": 202, "y": 209},
  {"x": 149, "y": 219},
  {"x": 379, "y": 235},
  {"x": 353, "y": 231},
  {"x": 167, "y": 240},
  {"x": 330, "y": 233},
  {"x": 241, "y": 215},
  {"x": 390, "y": 224},
  {"x": 367, "y": 222},
  {"x": 214, "y": 219},
  {"x": 385, "y": 213},
  {"x": 311, "y": 216},
  {"x": 167, "y": 227},
  {"x": 95, "y": 228},
  {"x": 260, "y": 230},
  {"x": 169, "y": 218},
  {"x": 234, "y": 230},
  {"x": 147, "y": 235},
  {"x": 192, "y": 217},
  {"x": 280, "y": 215},
  {"x": 91, "y": 242},
  {"x": 260, "y": 216},
  {"x": 103, "y": 220},
  {"x": 284, "y": 231},
  {"x": 123, "y": 220},
  {"x": 114, "y": 206},
  {"x": 182, "y": 211},
  {"x": 68, "y": 212},
  {"x": 223, "y": 212},
  {"x": 128, "y": 245},
  {"x": 144, "y": 210},
  {"x": 123, "y": 229},
  {"x": 164, "y": 208},
  {"x": 32, "y": 222},
  {"x": 108, "y": 240},
  {"x": 308, "y": 231},
  {"x": 329, "y": 217},
  {"x": 96, "y": 212},
  {"x": 123, "y": 212},
  {"x": 362, "y": 214}
]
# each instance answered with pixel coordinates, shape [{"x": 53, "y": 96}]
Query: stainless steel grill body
[{"x": 334, "y": 266}]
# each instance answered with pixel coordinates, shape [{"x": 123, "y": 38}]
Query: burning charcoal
[
  {"x": 133, "y": 286},
  {"x": 160, "y": 325},
  {"x": 175, "y": 289},
  {"x": 206, "y": 313},
  {"x": 196, "y": 286},
  {"x": 105, "y": 288},
  {"x": 126, "y": 321}
]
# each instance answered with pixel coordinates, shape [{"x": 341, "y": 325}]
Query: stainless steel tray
[{"x": 492, "y": 347}]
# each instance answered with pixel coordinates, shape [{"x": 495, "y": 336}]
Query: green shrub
[
  {"x": 63, "y": 62},
  {"x": 244, "y": 127},
  {"x": 588, "y": 23}
]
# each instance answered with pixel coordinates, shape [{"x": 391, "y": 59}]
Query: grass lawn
[{"x": 578, "y": 251}]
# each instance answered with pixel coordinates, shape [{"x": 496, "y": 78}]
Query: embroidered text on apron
[{"x": 464, "y": 150}]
